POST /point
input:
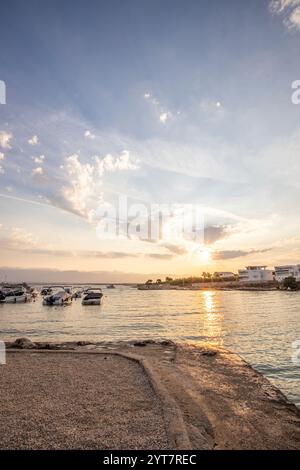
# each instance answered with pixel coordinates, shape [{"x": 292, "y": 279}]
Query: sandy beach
[{"x": 141, "y": 395}]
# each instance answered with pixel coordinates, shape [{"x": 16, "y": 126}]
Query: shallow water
[{"x": 260, "y": 326}]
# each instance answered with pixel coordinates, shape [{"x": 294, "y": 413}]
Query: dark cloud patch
[
  {"x": 214, "y": 233},
  {"x": 231, "y": 254},
  {"x": 160, "y": 256},
  {"x": 176, "y": 249}
]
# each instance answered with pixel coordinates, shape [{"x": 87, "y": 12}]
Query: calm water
[{"x": 260, "y": 326}]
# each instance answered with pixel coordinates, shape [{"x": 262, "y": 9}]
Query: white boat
[
  {"x": 92, "y": 297},
  {"x": 15, "y": 295},
  {"x": 46, "y": 291},
  {"x": 58, "y": 297},
  {"x": 78, "y": 293},
  {"x": 68, "y": 289}
]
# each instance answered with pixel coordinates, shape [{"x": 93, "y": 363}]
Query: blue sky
[{"x": 164, "y": 101}]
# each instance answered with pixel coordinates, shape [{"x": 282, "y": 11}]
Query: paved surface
[{"x": 69, "y": 401}]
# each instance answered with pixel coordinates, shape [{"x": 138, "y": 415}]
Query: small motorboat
[
  {"x": 92, "y": 297},
  {"x": 16, "y": 295},
  {"x": 58, "y": 297},
  {"x": 110, "y": 286},
  {"x": 78, "y": 293},
  {"x": 46, "y": 291},
  {"x": 68, "y": 289}
]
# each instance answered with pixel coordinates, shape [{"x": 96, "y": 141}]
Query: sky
[{"x": 177, "y": 103}]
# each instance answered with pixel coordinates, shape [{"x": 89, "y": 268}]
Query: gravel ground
[{"x": 69, "y": 401}]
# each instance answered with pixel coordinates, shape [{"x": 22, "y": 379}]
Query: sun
[{"x": 205, "y": 255}]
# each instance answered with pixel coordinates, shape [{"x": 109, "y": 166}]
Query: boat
[
  {"x": 58, "y": 297},
  {"x": 110, "y": 286},
  {"x": 68, "y": 289},
  {"x": 92, "y": 297},
  {"x": 78, "y": 293},
  {"x": 46, "y": 291},
  {"x": 15, "y": 295}
]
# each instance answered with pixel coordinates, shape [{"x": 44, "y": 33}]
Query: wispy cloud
[
  {"x": 1, "y": 158},
  {"x": 289, "y": 9},
  {"x": 176, "y": 249},
  {"x": 231, "y": 254},
  {"x": 5, "y": 139},
  {"x": 163, "y": 114},
  {"x": 162, "y": 256},
  {"x": 34, "y": 140},
  {"x": 37, "y": 171},
  {"x": 88, "y": 135},
  {"x": 19, "y": 240},
  {"x": 39, "y": 160}
]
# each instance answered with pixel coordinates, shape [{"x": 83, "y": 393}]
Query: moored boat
[
  {"x": 92, "y": 297},
  {"x": 78, "y": 293},
  {"x": 15, "y": 295},
  {"x": 46, "y": 290},
  {"x": 58, "y": 297}
]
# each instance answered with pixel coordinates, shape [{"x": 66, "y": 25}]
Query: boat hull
[
  {"x": 92, "y": 302},
  {"x": 17, "y": 299},
  {"x": 52, "y": 301}
]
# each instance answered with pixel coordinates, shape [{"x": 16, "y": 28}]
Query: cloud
[
  {"x": 160, "y": 256},
  {"x": 176, "y": 249},
  {"x": 163, "y": 114},
  {"x": 231, "y": 254},
  {"x": 39, "y": 160},
  {"x": 21, "y": 241},
  {"x": 89, "y": 135},
  {"x": 214, "y": 233},
  {"x": 213, "y": 110},
  {"x": 34, "y": 140},
  {"x": 83, "y": 192},
  {"x": 81, "y": 185},
  {"x": 18, "y": 239},
  {"x": 38, "y": 171},
  {"x": 289, "y": 9},
  {"x": 164, "y": 117},
  {"x": 20, "y": 236},
  {"x": 1, "y": 158},
  {"x": 5, "y": 138}
]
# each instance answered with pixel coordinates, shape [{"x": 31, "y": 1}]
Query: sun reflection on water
[{"x": 212, "y": 319}]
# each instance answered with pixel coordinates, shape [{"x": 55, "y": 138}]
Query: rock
[
  {"x": 140, "y": 343},
  {"x": 23, "y": 343},
  {"x": 208, "y": 353},
  {"x": 166, "y": 342}
]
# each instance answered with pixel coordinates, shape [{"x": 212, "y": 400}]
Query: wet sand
[{"x": 137, "y": 396}]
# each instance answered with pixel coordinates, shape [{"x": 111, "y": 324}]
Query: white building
[
  {"x": 224, "y": 275},
  {"x": 282, "y": 272},
  {"x": 255, "y": 274}
]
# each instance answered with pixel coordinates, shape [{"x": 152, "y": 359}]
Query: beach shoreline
[{"x": 202, "y": 397}]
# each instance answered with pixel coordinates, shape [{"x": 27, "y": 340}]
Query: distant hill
[{"x": 38, "y": 275}]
